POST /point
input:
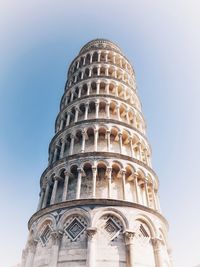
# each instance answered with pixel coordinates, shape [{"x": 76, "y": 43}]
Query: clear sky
[{"x": 39, "y": 39}]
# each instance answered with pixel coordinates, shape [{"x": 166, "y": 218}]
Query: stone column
[
  {"x": 146, "y": 192},
  {"x": 134, "y": 121},
  {"x": 78, "y": 190},
  {"x": 98, "y": 70},
  {"x": 91, "y": 55},
  {"x": 120, "y": 143},
  {"x": 109, "y": 173},
  {"x": 129, "y": 241},
  {"x": 53, "y": 195},
  {"x": 108, "y": 140},
  {"x": 83, "y": 141},
  {"x": 41, "y": 198},
  {"x": 62, "y": 149},
  {"x": 61, "y": 124},
  {"x": 88, "y": 88},
  {"x": 154, "y": 197},
  {"x": 79, "y": 91},
  {"x": 94, "y": 176},
  {"x": 136, "y": 189},
  {"x": 118, "y": 113},
  {"x": 106, "y": 71},
  {"x": 55, "y": 153},
  {"x": 64, "y": 195},
  {"x": 157, "y": 243},
  {"x": 68, "y": 119},
  {"x": 86, "y": 110},
  {"x": 66, "y": 100},
  {"x": 84, "y": 60},
  {"x": 107, "y": 88},
  {"x": 76, "y": 114},
  {"x": 71, "y": 144},
  {"x": 99, "y": 56},
  {"x": 96, "y": 133},
  {"x": 90, "y": 72},
  {"x": 97, "y": 109},
  {"x": 116, "y": 91},
  {"x": 56, "y": 237},
  {"x": 32, "y": 244},
  {"x": 145, "y": 156},
  {"x": 127, "y": 117},
  {"x": 98, "y": 87},
  {"x": 123, "y": 173},
  {"x": 131, "y": 145},
  {"x": 108, "y": 110},
  {"x": 91, "y": 247},
  {"x": 46, "y": 195},
  {"x": 140, "y": 151}
]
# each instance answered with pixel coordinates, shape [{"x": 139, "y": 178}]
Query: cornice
[{"x": 91, "y": 203}]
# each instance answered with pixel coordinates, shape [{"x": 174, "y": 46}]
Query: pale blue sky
[{"x": 38, "y": 41}]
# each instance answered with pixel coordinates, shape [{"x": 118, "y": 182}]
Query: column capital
[
  {"x": 32, "y": 243},
  {"x": 129, "y": 236},
  {"x": 56, "y": 236},
  {"x": 123, "y": 171},
  {"x": 156, "y": 242},
  {"x": 80, "y": 170},
  {"x": 94, "y": 168},
  {"x": 91, "y": 231}
]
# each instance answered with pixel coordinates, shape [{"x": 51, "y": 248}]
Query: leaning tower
[{"x": 99, "y": 202}]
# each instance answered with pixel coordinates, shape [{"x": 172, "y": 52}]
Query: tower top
[{"x": 100, "y": 43}]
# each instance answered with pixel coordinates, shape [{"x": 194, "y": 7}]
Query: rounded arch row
[
  {"x": 106, "y": 70},
  {"x": 100, "y": 108},
  {"x": 100, "y": 138},
  {"x": 101, "y": 56},
  {"x": 99, "y": 179},
  {"x": 77, "y": 226},
  {"x": 96, "y": 87}
]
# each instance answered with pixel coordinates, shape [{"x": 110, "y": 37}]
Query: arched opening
[
  {"x": 114, "y": 141},
  {"x": 86, "y": 184},
  {"x": 91, "y": 110},
  {"x": 86, "y": 74},
  {"x": 77, "y": 142},
  {"x": 116, "y": 182},
  {"x": 72, "y": 183},
  {"x": 81, "y": 112},
  {"x": 143, "y": 253},
  {"x": 101, "y": 181},
  {"x": 110, "y": 241},
  {"x": 60, "y": 186},
  {"x": 102, "y": 144},
  {"x": 102, "y": 88},
  {"x": 87, "y": 59},
  {"x": 89, "y": 142},
  {"x": 102, "y": 110},
  {"x": 129, "y": 187},
  {"x": 95, "y": 57},
  {"x": 84, "y": 90},
  {"x": 93, "y": 88}
]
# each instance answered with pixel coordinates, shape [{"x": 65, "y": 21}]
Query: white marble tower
[{"x": 99, "y": 202}]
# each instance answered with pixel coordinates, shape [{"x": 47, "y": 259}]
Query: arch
[
  {"x": 112, "y": 212},
  {"x": 72, "y": 212}
]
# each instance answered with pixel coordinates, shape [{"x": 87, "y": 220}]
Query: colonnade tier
[
  {"x": 100, "y": 107},
  {"x": 101, "y": 70},
  {"x": 106, "y": 179},
  {"x": 100, "y": 137},
  {"x": 101, "y": 56},
  {"x": 104, "y": 86}
]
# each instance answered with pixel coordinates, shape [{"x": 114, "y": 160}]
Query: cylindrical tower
[{"x": 99, "y": 202}]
